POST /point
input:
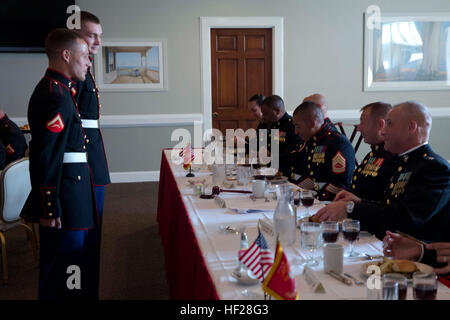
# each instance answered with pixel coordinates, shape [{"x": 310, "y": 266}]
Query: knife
[{"x": 340, "y": 277}]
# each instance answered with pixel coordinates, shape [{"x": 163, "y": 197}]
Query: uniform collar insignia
[{"x": 61, "y": 78}]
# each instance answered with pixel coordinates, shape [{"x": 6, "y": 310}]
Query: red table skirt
[{"x": 186, "y": 272}]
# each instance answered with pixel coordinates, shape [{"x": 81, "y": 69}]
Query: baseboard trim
[{"x": 134, "y": 176}]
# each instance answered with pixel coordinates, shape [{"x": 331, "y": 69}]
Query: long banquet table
[{"x": 200, "y": 257}]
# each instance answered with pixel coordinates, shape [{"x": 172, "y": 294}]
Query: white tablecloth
[{"x": 220, "y": 249}]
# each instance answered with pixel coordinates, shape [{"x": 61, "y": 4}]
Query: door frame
[{"x": 207, "y": 23}]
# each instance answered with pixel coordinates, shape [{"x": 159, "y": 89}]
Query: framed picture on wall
[
  {"x": 131, "y": 66},
  {"x": 407, "y": 52}
]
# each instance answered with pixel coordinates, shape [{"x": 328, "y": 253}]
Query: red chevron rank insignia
[
  {"x": 338, "y": 163},
  {"x": 9, "y": 149},
  {"x": 56, "y": 124}
]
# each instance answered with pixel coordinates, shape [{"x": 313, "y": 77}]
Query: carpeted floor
[{"x": 132, "y": 259}]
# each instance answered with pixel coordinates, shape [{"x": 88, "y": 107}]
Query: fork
[{"x": 357, "y": 282}]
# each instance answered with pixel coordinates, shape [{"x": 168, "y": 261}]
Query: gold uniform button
[
  {"x": 371, "y": 154},
  {"x": 87, "y": 140},
  {"x": 84, "y": 147},
  {"x": 309, "y": 166},
  {"x": 391, "y": 186},
  {"x": 359, "y": 170},
  {"x": 365, "y": 161},
  {"x": 424, "y": 155},
  {"x": 400, "y": 168},
  {"x": 47, "y": 192},
  {"x": 79, "y": 177},
  {"x": 355, "y": 177},
  {"x": 353, "y": 186},
  {"x": 311, "y": 173},
  {"x": 309, "y": 158},
  {"x": 49, "y": 204},
  {"x": 388, "y": 202},
  {"x": 50, "y": 214}
]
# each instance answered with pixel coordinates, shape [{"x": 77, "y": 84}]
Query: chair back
[
  {"x": 15, "y": 187},
  {"x": 355, "y": 132}
]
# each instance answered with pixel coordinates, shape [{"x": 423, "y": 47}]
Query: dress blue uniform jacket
[
  {"x": 89, "y": 108},
  {"x": 13, "y": 141},
  {"x": 58, "y": 189},
  {"x": 324, "y": 163},
  {"x": 416, "y": 201},
  {"x": 372, "y": 175},
  {"x": 287, "y": 141}
]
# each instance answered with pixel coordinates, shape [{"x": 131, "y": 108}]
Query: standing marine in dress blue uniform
[
  {"x": 325, "y": 162},
  {"x": 12, "y": 140},
  {"x": 89, "y": 107},
  {"x": 62, "y": 197}
]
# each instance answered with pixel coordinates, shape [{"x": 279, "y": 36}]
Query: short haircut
[
  {"x": 378, "y": 109},
  {"x": 58, "y": 40},
  {"x": 418, "y": 112},
  {"x": 310, "y": 110},
  {"x": 88, "y": 17},
  {"x": 259, "y": 98},
  {"x": 273, "y": 102}
]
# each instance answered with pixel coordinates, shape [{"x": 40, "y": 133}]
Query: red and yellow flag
[
  {"x": 279, "y": 283},
  {"x": 188, "y": 156}
]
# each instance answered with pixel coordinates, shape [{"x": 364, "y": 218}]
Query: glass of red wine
[
  {"x": 425, "y": 285},
  {"x": 307, "y": 199},
  {"x": 351, "y": 230},
  {"x": 330, "y": 231}
]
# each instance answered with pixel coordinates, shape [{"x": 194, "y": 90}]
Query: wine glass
[
  {"x": 351, "y": 230},
  {"x": 424, "y": 285},
  {"x": 311, "y": 239},
  {"x": 330, "y": 231},
  {"x": 243, "y": 175},
  {"x": 307, "y": 199}
]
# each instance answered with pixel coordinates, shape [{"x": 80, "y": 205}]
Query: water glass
[
  {"x": 311, "y": 239},
  {"x": 243, "y": 175},
  {"x": 390, "y": 288},
  {"x": 402, "y": 283}
]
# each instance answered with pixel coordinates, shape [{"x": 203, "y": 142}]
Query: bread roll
[{"x": 404, "y": 266}]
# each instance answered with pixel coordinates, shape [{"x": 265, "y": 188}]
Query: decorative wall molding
[
  {"x": 134, "y": 176},
  {"x": 188, "y": 119},
  {"x": 140, "y": 120}
]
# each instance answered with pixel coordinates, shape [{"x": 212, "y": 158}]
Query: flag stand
[{"x": 190, "y": 174}]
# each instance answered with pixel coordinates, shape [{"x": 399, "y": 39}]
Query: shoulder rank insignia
[
  {"x": 56, "y": 124},
  {"x": 338, "y": 163},
  {"x": 9, "y": 149}
]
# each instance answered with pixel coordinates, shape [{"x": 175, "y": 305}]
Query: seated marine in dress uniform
[
  {"x": 254, "y": 106},
  {"x": 13, "y": 144},
  {"x": 320, "y": 100},
  {"x": 325, "y": 162},
  {"x": 276, "y": 117},
  {"x": 373, "y": 174},
  {"x": 62, "y": 195},
  {"x": 416, "y": 199}
]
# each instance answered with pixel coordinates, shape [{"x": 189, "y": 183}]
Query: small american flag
[
  {"x": 258, "y": 257},
  {"x": 188, "y": 156}
]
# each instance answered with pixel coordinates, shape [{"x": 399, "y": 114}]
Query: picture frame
[
  {"x": 407, "y": 52},
  {"x": 132, "y": 65}
]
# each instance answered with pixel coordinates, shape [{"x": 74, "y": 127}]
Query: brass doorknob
[{"x": 215, "y": 114}]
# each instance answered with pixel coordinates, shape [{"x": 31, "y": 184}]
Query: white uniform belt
[
  {"x": 89, "y": 123},
  {"x": 75, "y": 157}
]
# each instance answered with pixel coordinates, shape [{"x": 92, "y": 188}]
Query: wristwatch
[{"x": 350, "y": 206}]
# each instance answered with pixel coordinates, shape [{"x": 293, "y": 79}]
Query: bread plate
[{"x": 405, "y": 267}]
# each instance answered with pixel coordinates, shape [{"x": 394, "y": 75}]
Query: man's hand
[
  {"x": 51, "y": 223},
  {"x": 400, "y": 247},
  {"x": 344, "y": 195},
  {"x": 335, "y": 211},
  {"x": 443, "y": 255}
]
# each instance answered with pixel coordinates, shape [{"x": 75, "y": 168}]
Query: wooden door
[{"x": 241, "y": 67}]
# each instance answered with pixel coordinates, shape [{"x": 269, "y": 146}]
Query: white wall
[{"x": 323, "y": 52}]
